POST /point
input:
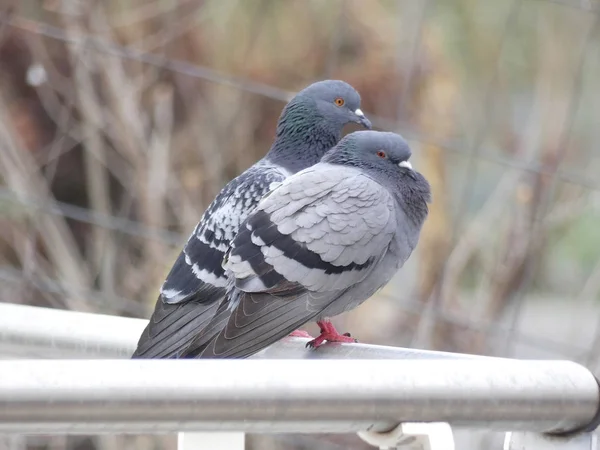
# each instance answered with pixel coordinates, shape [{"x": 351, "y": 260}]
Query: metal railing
[{"x": 285, "y": 388}]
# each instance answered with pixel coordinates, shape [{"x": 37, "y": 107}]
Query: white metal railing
[
  {"x": 29, "y": 331},
  {"x": 332, "y": 389},
  {"x": 143, "y": 396}
]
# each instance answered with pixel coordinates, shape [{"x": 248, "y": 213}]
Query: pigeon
[
  {"x": 319, "y": 244},
  {"x": 309, "y": 125}
]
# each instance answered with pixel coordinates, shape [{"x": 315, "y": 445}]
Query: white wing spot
[
  {"x": 205, "y": 275},
  {"x": 256, "y": 240},
  {"x": 172, "y": 295},
  {"x": 209, "y": 277}
]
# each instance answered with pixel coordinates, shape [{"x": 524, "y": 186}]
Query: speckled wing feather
[
  {"x": 308, "y": 244},
  {"x": 192, "y": 291}
]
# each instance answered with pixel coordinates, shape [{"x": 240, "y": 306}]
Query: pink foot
[
  {"x": 300, "y": 333},
  {"x": 329, "y": 334}
]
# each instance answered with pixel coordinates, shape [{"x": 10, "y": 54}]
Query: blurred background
[{"x": 121, "y": 120}]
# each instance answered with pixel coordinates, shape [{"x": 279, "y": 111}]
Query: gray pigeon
[
  {"x": 310, "y": 124},
  {"x": 318, "y": 245}
]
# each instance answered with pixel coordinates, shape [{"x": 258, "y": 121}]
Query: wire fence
[{"x": 120, "y": 121}]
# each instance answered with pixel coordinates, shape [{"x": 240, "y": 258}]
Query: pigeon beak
[
  {"x": 405, "y": 164},
  {"x": 360, "y": 118}
]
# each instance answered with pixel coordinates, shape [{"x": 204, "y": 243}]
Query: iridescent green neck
[{"x": 303, "y": 136}]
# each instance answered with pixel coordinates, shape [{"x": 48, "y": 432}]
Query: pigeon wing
[{"x": 195, "y": 285}]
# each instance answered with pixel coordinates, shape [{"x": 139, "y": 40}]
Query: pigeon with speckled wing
[
  {"x": 320, "y": 244},
  {"x": 310, "y": 124}
]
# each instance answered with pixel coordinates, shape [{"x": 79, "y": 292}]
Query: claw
[{"x": 329, "y": 334}]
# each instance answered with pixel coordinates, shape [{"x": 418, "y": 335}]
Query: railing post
[
  {"x": 211, "y": 441},
  {"x": 526, "y": 440},
  {"x": 412, "y": 436}
]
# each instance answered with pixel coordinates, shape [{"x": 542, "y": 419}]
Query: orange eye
[
  {"x": 381, "y": 154},
  {"x": 339, "y": 101}
]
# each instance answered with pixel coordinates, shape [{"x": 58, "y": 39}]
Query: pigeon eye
[
  {"x": 381, "y": 154},
  {"x": 339, "y": 101}
]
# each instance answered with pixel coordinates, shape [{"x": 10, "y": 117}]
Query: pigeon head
[
  {"x": 382, "y": 151},
  {"x": 336, "y": 102},
  {"x": 311, "y": 123},
  {"x": 384, "y": 157}
]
